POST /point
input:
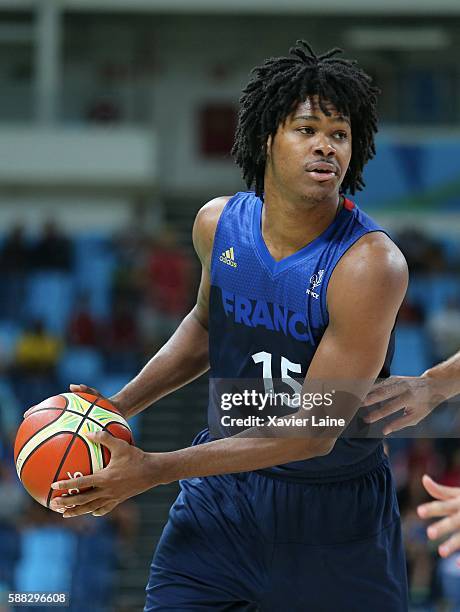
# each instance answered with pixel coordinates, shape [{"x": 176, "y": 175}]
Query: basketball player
[{"x": 298, "y": 282}]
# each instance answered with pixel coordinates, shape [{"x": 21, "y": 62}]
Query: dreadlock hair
[{"x": 280, "y": 84}]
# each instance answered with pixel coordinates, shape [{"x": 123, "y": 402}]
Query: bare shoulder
[
  {"x": 374, "y": 268},
  {"x": 205, "y": 225},
  {"x": 374, "y": 256}
]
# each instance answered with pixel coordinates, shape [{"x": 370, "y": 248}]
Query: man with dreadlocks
[{"x": 297, "y": 283}]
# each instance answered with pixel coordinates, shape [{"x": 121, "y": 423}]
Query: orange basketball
[{"x": 51, "y": 444}]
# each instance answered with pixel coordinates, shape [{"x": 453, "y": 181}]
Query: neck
[{"x": 288, "y": 225}]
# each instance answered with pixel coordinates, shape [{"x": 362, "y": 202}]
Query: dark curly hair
[{"x": 280, "y": 84}]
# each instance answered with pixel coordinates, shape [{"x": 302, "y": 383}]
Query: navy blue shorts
[{"x": 248, "y": 542}]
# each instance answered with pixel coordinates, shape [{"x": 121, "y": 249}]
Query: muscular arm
[
  {"x": 364, "y": 295},
  {"x": 185, "y": 356},
  {"x": 365, "y": 292}
]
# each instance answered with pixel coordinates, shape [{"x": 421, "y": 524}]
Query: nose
[{"x": 324, "y": 147}]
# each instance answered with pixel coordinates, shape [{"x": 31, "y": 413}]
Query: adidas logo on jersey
[{"x": 228, "y": 257}]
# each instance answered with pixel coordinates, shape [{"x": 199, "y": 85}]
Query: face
[{"x": 310, "y": 153}]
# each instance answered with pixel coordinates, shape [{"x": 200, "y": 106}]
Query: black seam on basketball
[
  {"x": 32, "y": 452},
  {"x": 88, "y": 418},
  {"x": 64, "y": 457},
  {"x": 42, "y": 428},
  {"x": 113, "y": 409}
]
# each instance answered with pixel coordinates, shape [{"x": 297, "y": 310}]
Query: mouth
[
  {"x": 321, "y": 175},
  {"x": 322, "y": 171}
]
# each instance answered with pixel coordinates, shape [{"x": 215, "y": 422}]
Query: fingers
[
  {"x": 385, "y": 390},
  {"x": 105, "y": 509},
  {"x": 75, "y": 500},
  {"x": 88, "y": 508},
  {"x": 444, "y": 526},
  {"x": 390, "y": 407},
  {"x": 450, "y": 545},
  {"x": 439, "y": 491},
  {"x": 439, "y": 508},
  {"x": 102, "y": 437},
  {"x": 404, "y": 421},
  {"x": 84, "y": 389},
  {"x": 77, "y": 483}
]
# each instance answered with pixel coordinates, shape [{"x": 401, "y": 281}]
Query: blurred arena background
[{"x": 116, "y": 120}]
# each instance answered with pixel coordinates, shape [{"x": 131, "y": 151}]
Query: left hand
[
  {"x": 448, "y": 506},
  {"x": 126, "y": 475},
  {"x": 418, "y": 395}
]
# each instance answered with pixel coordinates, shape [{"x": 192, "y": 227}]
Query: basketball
[{"x": 51, "y": 445}]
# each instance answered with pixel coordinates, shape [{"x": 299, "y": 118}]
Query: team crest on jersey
[
  {"x": 315, "y": 281},
  {"x": 228, "y": 257}
]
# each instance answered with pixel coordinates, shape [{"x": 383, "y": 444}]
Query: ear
[{"x": 268, "y": 146}]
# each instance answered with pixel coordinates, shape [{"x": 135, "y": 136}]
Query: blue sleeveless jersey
[{"x": 258, "y": 305}]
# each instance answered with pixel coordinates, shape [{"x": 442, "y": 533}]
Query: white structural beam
[
  {"x": 64, "y": 156},
  {"x": 47, "y": 60},
  {"x": 305, "y": 7}
]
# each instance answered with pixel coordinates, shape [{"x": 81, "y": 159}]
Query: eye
[
  {"x": 341, "y": 135},
  {"x": 306, "y": 130}
]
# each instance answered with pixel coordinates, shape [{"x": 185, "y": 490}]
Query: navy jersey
[{"x": 265, "y": 312}]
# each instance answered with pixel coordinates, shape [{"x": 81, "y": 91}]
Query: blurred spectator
[
  {"x": 411, "y": 313},
  {"x": 423, "y": 253},
  {"x": 53, "y": 251},
  {"x": 83, "y": 328},
  {"x": 15, "y": 253},
  {"x": 132, "y": 242},
  {"x": 122, "y": 340},
  {"x": 37, "y": 350},
  {"x": 451, "y": 476},
  {"x": 167, "y": 285},
  {"x": 13, "y": 496},
  {"x": 10, "y": 417},
  {"x": 15, "y": 261},
  {"x": 423, "y": 459},
  {"x": 444, "y": 330}
]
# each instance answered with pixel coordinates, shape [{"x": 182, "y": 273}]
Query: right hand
[
  {"x": 78, "y": 389},
  {"x": 448, "y": 506}
]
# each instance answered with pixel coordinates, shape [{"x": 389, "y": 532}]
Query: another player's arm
[
  {"x": 418, "y": 395},
  {"x": 365, "y": 292},
  {"x": 185, "y": 356}
]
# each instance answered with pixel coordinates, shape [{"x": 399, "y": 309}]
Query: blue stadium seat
[
  {"x": 93, "y": 575},
  {"x": 451, "y": 249},
  {"x": 49, "y": 297},
  {"x": 32, "y": 389},
  {"x": 412, "y": 354},
  {"x": 9, "y": 553},
  {"x": 433, "y": 291},
  {"x": 9, "y": 334},
  {"x": 32, "y": 573},
  {"x": 94, "y": 267},
  {"x": 80, "y": 365}
]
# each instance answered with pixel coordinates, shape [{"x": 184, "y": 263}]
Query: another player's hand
[
  {"x": 417, "y": 395},
  {"x": 126, "y": 475},
  {"x": 448, "y": 506}
]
